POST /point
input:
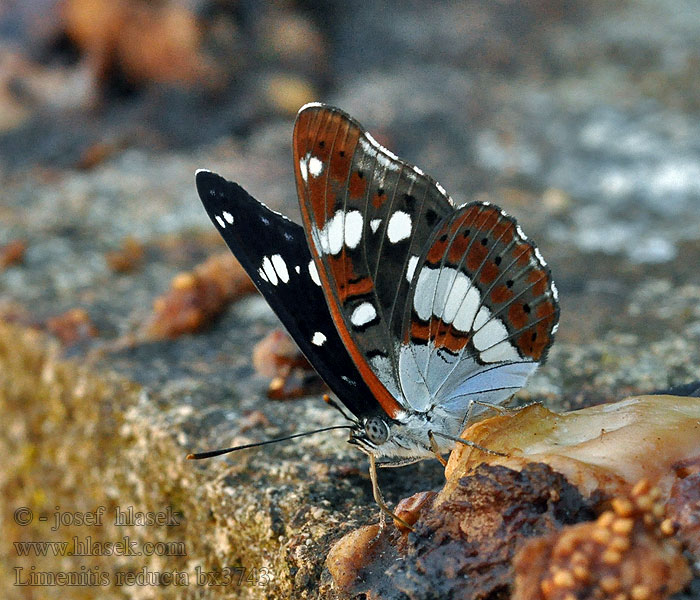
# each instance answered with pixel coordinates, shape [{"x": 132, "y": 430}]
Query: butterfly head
[
  {"x": 399, "y": 441},
  {"x": 370, "y": 434}
]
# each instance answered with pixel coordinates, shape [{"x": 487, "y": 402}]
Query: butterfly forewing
[
  {"x": 481, "y": 312},
  {"x": 368, "y": 216},
  {"x": 274, "y": 252}
]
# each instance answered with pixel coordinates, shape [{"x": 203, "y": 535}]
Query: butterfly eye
[{"x": 376, "y": 430}]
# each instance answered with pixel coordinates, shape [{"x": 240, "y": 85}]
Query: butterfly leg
[
  {"x": 503, "y": 410},
  {"x": 436, "y": 450},
  {"x": 385, "y": 510},
  {"x": 468, "y": 416},
  {"x": 470, "y": 444},
  {"x": 497, "y": 407}
]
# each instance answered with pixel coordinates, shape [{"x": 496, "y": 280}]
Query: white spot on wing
[
  {"x": 320, "y": 238},
  {"x": 374, "y": 224},
  {"x": 367, "y": 147},
  {"x": 228, "y": 216},
  {"x": 425, "y": 290},
  {"x": 378, "y": 146},
  {"x": 381, "y": 366},
  {"x": 458, "y": 292},
  {"x": 503, "y": 351},
  {"x": 555, "y": 291},
  {"x": 449, "y": 295},
  {"x": 261, "y": 272},
  {"x": 280, "y": 267},
  {"x": 492, "y": 333},
  {"x": 310, "y": 105},
  {"x": 335, "y": 229},
  {"x": 318, "y": 339},
  {"x": 411, "y": 268},
  {"x": 363, "y": 314},
  {"x": 399, "y": 227},
  {"x": 539, "y": 256},
  {"x": 482, "y": 316},
  {"x": 220, "y": 221},
  {"x": 269, "y": 271},
  {"x": 297, "y": 269},
  {"x": 444, "y": 285},
  {"x": 315, "y": 167},
  {"x": 464, "y": 318},
  {"x": 313, "y": 272},
  {"x": 353, "y": 228},
  {"x": 388, "y": 162}
]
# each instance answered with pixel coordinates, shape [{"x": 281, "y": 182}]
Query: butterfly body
[
  {"x": 406, "y": 438},
  {"x": 416, "y": 313}
]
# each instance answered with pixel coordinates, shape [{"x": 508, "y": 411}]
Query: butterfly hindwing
[
  {"x": 274, "y": 252},
  {"x": 368, "y": 216},
  {"x": 481, "y": 312}
]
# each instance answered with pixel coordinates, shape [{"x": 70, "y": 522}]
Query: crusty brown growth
[
  {"x": 410, "y": 509},
  {"x": 627, "y": 553},
  {"x": 684, "y": 504},
  {"x": 72, "y": 327},
  {"x": 12, "y": 253},
  {"x": 462, "y": 547},
  {"x": 275, "y": 353},
  {"x": 297, "y": 383},
  {"x": 465, "y": 543},
  {"x": 97, "y": 153},
  {"x": 128, "y": 258},
  {"x": 146, "y": 41},
  {"x": 352, "y": 554},
  {"x": 278, "y": 358},
  {"x": 197, "y": 297}
]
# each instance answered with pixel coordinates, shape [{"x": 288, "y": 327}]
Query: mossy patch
[{"x": 79, "y": 439}]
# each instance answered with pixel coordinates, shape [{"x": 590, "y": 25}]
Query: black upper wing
[{"x": 274, "y": 252}]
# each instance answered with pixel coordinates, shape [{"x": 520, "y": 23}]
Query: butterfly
[{"x": 418, "y": 314}]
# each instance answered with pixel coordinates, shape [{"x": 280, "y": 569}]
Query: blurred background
[{"x": 580, "y": 118}]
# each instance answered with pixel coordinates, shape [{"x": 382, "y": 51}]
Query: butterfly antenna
[
  {"x": 213, "y": 453},
  {"x": 331, "y": 402}
]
